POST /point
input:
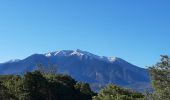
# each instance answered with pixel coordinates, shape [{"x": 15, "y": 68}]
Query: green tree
[
  {"x": 160, "y": 76},
  {"x": 113, "y": 92},
  {"x": 43, "y": 86},
  {"x": 4, "y": 93},
  {"x": 14, "y": 85},
  {"x": 85, "y": 91},
  {"x": 34, "y": 86},
  {"x": 61, "y": 87}
]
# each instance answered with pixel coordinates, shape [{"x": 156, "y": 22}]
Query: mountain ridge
[
  {"x": 79, "y": 53},
  {"x": 86, "y": 67}
]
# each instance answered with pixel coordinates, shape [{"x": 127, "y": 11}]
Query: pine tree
[{"x": 160, "y": 76}]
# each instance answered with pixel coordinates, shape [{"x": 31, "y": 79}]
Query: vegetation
[
  {"x": 38, "y": 86},
  {"x": 113, "y": 92},
  {"x": 46, "y": 84},
  {"x": 160, "y": 76}
]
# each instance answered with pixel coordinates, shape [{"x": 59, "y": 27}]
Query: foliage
[
  {"x": 35, "y": 86},
  {"x": 160, "y": 76},
  {"x": 84, "y": 89},
  {"x": 13, "y": 84},
  {"x": 113, "y": 92},
  {"x": 4, "y": 93},
  {"x": 38, "y": 86}
]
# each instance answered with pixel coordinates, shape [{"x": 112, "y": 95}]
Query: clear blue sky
[{"x": 135, "y": 30}]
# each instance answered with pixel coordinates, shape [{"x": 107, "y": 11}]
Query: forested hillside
[{"x": 38, "y": 86}]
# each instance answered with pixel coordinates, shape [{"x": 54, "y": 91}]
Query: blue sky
[{"x": 135, "y": 30}]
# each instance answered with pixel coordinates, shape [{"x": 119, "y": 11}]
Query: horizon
[{"x": 136, "y": 31}]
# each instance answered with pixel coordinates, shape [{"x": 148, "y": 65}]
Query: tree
[
  {"x": 34, "y": 86},
  {"x": 61, "y": 87},
  {"x": 113, "y": 92},
  {"x": 4, "y": 93},
  {"x": 14, "y": 85},
  {"x": 85, "y": 91},
  {"x": 160, "y": 76},
  {"x": 38, "y": 86}
]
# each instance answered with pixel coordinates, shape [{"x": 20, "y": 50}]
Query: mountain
[{"x": 86, "y": 67}]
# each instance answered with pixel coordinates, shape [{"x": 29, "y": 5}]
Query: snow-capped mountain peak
[
  {"x": 83, "y": 66},
  {"x": 77, "y": 53},
  {"x": 63, "y": 53},
  {"x": 59, "y": 53},
  {"x": 80, "y": 53}
]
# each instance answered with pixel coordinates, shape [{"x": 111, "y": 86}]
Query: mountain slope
[{"x": 86, "y": 67}]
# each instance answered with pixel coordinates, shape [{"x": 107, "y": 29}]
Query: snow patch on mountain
[
  {"x": 80, "y": 53},
  {"x": 112, "y": 59},
  {"x": 48, "y": 55},
  {"x": 77, "y": 53}
]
